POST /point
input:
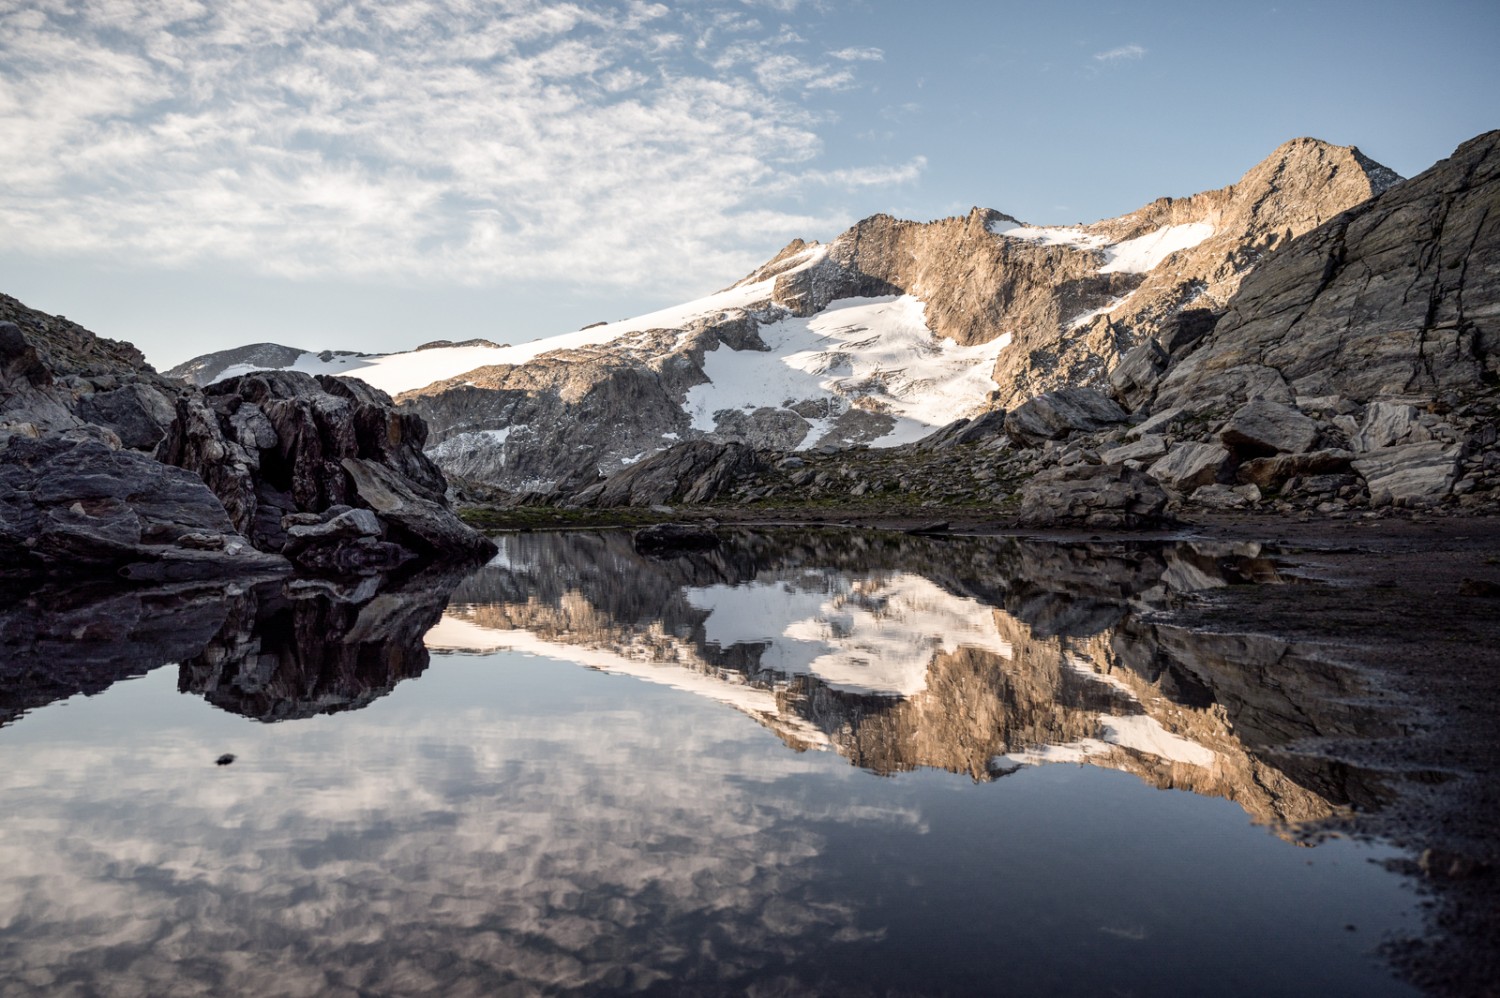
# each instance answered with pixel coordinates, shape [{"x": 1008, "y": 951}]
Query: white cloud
[
  {"x": 428, "y": 140},
  {"x": 1122, "y": 53},
  {"x": 859, "y": 55}
]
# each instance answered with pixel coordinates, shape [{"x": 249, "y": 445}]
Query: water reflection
[
  {"x": 976, "y": 655},
  {"x": 511, "y": 824}
]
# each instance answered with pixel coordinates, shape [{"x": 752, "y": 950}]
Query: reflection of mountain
[
  {"x": 975, "y": 655},
  {"x": 273, "y": 652}
]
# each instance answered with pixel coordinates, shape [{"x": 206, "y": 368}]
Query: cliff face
[
  {"x": 1397, "y": 296},
  {"x": 1074, "y": 298}
]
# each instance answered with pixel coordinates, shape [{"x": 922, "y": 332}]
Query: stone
[
  {"x": 1090, "y": 495},
  {"x": 1133, "y": 381},
  {"x": 1218, "y": 496},
  {"x": 1406, "y": 472},
  {"x": 1387, "y": 424},
  {"x": 1157, "y": 423},
  {"x": 694, "y": 472},
  {"x": 673, "y": 538},
  {"x": 1261, "y": 427},
  {"x": 71, "y": 506},
  {"x": 1273, "y": 472},
  {"x": 1147, "y": 448},
  {"x": 1189, "y": 465},
  {"x": 1054, "y": 415},
  {"x": 412, "y": 520}
]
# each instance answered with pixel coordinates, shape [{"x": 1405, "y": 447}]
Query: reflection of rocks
[
  {"x": 273, "y": 651},
  {"x": 1015, "y": 653},
  {"x": 295, "y": 652},
  {"x": 57, "y": 642}
]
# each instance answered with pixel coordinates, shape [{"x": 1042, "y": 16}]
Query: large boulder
[
  {"x": 1189, "y": 465},
  {"x": 1261, "y": 427},
  {"x": 1422, "y": 472},
  {"x": 1054, "y": 415},
  {"x": 1273, "y": 472},
  {"x": 72, "y": 504},
  {"x": 1100, "y": 496},
  {"x": 694, "y": 472}
]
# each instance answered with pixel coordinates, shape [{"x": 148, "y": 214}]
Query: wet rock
[
  {"x": 1053, "y": 415},
  {"x": 1093, "y": 496},
  {"x": 1187, "y": 466},
  {"x": 1261, "y": 427},
  {"x": 673, "y": 538}
]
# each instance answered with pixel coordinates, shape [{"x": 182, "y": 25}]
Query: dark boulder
[
  {"x": 70, "y": 504},
  {"x": 673, "y": 538},
  {"x": 694, "y": 472}
]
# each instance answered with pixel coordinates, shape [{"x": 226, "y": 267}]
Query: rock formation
[{"x": 108, "y": 468}]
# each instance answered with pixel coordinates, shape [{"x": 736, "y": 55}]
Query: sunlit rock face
[{"x": 977, "y": 656}]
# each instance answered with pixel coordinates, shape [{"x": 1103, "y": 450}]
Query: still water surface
[{"x": 835, "y": 764}]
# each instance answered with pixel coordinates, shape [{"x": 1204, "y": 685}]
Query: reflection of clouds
[{"x": 431, "y": 852}]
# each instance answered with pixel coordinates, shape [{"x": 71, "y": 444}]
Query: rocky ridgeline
[
  {"x": 567, "y": 416},
  {"x": 1355, "y": 372},
  {"x": 109, "y": 468}
]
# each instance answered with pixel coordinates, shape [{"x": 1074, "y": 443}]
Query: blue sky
[{"x": 373, "y": 174}]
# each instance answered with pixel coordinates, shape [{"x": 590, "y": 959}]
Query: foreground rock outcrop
[{"x": 108, "y": 468}]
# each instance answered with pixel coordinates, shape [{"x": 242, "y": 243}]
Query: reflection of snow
[
  {"x": 872, "y": 635},
  {"x": 1138, "y": 732}
]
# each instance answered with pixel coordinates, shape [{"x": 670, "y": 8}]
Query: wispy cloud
[
  {"x": 1121, "y": 54},
  {"x": 859, "y": 54},
  {"x": 417, "y": 139}
]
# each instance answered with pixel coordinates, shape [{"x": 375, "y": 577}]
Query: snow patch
[
  {"x": 1057, "y": 235},
  {"x": 1145, "y": 253},
  {"x": 877, "y": 349},
  {"x": 395, "y": 373}
]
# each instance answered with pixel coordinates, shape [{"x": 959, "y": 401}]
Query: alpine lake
[{"x": 838, "y": 762}]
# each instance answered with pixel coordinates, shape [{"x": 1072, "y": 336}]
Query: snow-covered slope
[
  {"x": 395, "y": 373},
  {"x": 876, "y": 353}
]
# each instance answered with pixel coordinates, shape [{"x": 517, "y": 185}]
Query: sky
[{"x": 375, "y": 174}]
